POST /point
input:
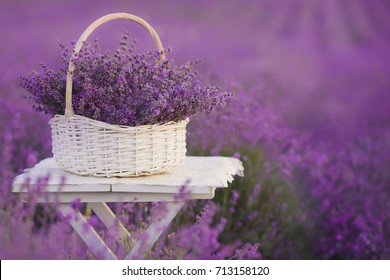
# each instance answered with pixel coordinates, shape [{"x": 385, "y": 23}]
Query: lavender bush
[
  {"x": 124, "y": 88},
  {"x": 309, "y": 120}
]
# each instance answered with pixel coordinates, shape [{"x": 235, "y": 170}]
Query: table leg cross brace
[{"x": 96, "y": 244}]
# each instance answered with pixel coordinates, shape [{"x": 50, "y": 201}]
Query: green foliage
[{"x": 267, "y": 209}]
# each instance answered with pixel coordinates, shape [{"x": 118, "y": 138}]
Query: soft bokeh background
[{"x": 310, "y": 119}]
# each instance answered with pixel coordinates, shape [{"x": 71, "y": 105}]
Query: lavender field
[{"x": 310, "y": 119}]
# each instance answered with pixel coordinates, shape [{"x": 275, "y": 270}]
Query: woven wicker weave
[{"x": 89, "y": 147}]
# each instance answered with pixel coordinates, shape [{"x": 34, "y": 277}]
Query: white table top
[{"x": 200, "y": 175}]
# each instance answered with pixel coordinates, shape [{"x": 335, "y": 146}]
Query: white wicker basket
[{"x": 89, "y": 147}]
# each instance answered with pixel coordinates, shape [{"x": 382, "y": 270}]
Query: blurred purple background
[{"x": 311, "y": 80}]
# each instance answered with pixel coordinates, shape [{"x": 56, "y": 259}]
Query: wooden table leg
[
  {"x": 154, "y": 231},
  {"x": 87, "y": 232},
  {"x": 108, "y": 218}
]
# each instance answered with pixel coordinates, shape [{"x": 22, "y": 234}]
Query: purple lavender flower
[{"x": 124, "y": 88}]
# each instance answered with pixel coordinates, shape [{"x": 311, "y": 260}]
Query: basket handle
[{"x": 80, "y": 42}]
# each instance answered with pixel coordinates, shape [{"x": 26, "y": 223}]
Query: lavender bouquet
[{"x": 123, "y": 88}]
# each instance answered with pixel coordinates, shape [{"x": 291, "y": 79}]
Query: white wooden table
[{"x": 201, "y": 176}]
